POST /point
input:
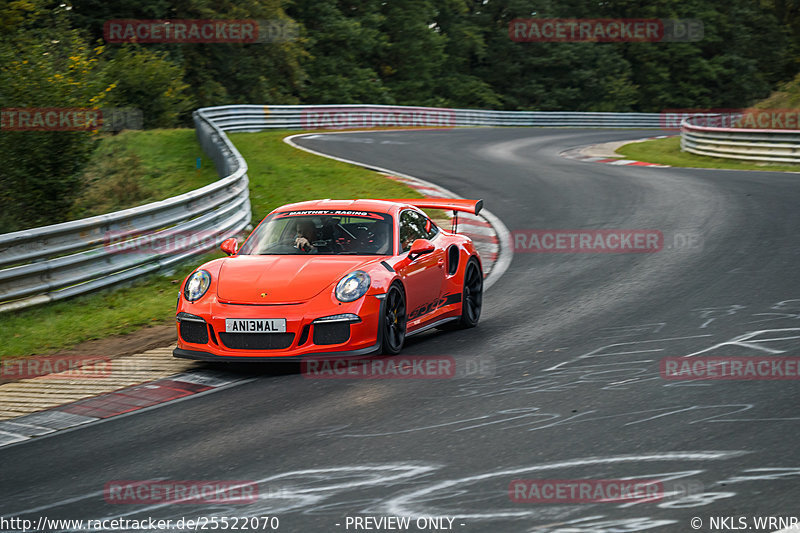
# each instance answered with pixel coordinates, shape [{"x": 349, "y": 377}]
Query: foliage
[
  {"x": 44, "y": 64},
  {"x": 136, "y": 167},
  {"x": 787, "y": 96},
  {"x": 150, "y": 82}
]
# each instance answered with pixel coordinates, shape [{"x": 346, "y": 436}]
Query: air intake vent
[
  {"x": 256, "y": 341},
  {"x": 331, "y": 333},
  {"x": 194, "y": 332},
  {"x": 452, "y": 260}
]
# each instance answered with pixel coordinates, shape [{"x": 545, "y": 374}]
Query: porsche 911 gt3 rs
[{"x": 332, "y": 278}]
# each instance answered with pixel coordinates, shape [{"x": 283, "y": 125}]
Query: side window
[{"x": 412, "y": 227}]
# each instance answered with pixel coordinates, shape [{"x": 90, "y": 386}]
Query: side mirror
[
  {"x": 230, "y": 246},
  {"x": 420, "y": 247}
]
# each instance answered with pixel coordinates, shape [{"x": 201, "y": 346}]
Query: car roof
[{"x": 378, "y": 206}]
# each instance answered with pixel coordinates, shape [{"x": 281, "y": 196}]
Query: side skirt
[{"x": 426, "y": 327}]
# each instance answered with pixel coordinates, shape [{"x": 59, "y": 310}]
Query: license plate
[{"x": 255, "y": 325}]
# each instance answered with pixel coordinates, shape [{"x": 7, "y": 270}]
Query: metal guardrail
[
  {"x": 334, "y": 117},
  {"x": 775, "y": 146},
  {"x": 54, "y": 262}
]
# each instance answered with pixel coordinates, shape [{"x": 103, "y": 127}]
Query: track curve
[{"x": 573, "y": 342}]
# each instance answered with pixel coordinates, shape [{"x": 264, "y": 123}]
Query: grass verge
[
  {"x": 279, "y": 174},
  {"x": 668, "y": 152},
  {"x": 137, "y": 167}
]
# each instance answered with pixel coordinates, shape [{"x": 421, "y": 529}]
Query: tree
[
  {"x": 344, "y": 43},
  {"x": 149, "y": 81},
  {"x": 43, "y": 63},
  {"x": 216, "y": 73}
]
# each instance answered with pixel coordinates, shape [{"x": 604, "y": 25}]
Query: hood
[{"x": 284, "y": 278}]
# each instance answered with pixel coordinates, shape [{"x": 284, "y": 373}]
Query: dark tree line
[{"x": 458, "y": 53}]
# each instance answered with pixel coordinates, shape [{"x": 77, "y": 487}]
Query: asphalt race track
[{"x": 568, "y": 385}]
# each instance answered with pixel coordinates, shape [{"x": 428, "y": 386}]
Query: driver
[
  {"x": 381, "y": 239},
  {"x": 305, "y": 236}
]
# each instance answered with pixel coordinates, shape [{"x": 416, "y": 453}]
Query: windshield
[{"x": 322, "y": 233}]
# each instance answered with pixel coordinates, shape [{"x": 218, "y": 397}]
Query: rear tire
[
  {"x": 471, "y": 299},
  {"x": 471, "y": 296},
  {"x": 393, "y": 321}
]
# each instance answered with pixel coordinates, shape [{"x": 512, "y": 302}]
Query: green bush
[
  {"x": 44, "y": 64},
  {"x": 148, "y": 80}
]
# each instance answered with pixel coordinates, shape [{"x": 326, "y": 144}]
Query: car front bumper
[{"x": 202, "y": 335}]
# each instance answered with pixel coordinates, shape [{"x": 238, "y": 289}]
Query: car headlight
[
  {"x": 197, "y": 285},
  {"x": 353, "y": 286}
]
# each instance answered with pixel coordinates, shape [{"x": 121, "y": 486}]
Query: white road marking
[
  {"x": 503, "y": 235},
  {"x": 405, "y": 504}
]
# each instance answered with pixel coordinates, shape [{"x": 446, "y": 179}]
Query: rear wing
[
  {"x": 467, "y": 206},
  {"x": 453, "y": 204}
]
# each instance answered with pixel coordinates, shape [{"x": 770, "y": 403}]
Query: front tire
[{"x": 393, "y": 321}]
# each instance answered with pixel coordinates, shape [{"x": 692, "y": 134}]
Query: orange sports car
[{"x": 332, "y": 278}]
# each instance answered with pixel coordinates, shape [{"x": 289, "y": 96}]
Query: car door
[{"x": 423, "y": 276}]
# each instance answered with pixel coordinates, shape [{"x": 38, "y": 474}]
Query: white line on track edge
[{"x": 503, "y": 235}]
